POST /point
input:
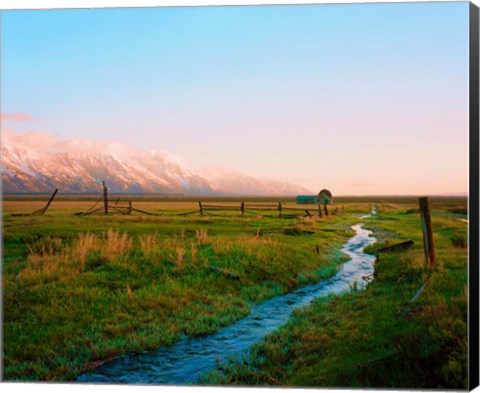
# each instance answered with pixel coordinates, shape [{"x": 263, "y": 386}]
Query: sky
[{"x": 361, "y": 99}]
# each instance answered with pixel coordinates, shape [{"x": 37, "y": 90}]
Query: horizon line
[{"x": 460, "y": 195}]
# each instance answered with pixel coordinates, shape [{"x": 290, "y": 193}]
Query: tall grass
[
  {"x": 179, "y": 256},
  {"x": 202, "y": 236},
  {"x": 45, "y": 265},
  {"x": 80, "y": 250},
  {"x": 116, "y": 245},
  {"x": 50, "y": 260},
  {"x": 149, "y": 244},
  {"x": 193, "y": 254}
]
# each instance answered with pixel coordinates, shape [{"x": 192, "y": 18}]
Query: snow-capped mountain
[{"x": 26, "y": 170}]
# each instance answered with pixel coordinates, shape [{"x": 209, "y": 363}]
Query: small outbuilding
[
  {"x": 306, "y": 199},
  {"x": 324, "y": 197}
]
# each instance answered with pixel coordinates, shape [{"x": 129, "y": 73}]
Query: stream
[{"x": 190, "y": 357}]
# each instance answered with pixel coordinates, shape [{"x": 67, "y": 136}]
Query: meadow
[
  {"x": 79, "y": 290},
  {"x": 393, "y": 334}
]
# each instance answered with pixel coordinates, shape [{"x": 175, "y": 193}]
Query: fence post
[
  {"x": 201, "y": 207},
  {"x": 428, "y": 245},
  {"x": 279, "y": 209},
  {"x": 105, "y": 198},
  {"x": 49, "y": 201},
  {"x": 320, "y": 210},
  {"x": 129, "y": 207},
  {"x": 242, "y": 208}
]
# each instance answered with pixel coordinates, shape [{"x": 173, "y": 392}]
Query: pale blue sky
[{"x": 348, "y": 97}]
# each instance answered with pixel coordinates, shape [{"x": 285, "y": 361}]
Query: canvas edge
[{"x": 473, "y": 287}]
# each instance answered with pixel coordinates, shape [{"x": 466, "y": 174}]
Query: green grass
[
  {"x": 78, "y": 290},
  {"x": 377, "y": 337}
]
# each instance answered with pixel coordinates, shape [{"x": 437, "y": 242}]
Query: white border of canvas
[{"x": 79, "y": 388}]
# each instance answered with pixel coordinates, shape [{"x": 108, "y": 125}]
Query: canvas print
[{"x": 237, "y": 195}]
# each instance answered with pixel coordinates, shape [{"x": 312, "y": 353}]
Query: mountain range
[{"x": 133, "y": 171}]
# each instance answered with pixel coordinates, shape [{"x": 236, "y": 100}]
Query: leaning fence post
[
  {"x": 428, "y": 245},
  {"x": 49, "y": 201},
  {"x": 201, "y": 207}
]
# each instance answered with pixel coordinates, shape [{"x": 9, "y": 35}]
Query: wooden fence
[{"x": 260, "y": 208}]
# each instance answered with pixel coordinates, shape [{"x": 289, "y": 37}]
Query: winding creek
[{"x": 186, "y": 360}]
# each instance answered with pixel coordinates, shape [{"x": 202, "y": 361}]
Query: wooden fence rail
[
  {"x": 252, "y": 208},
  {"x": 274, "y": 205}
]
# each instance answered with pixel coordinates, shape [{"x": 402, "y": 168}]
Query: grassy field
[
  {"x": 78, "y": 290},
  {"x": 82, "y": 289},
  {"x": 378, "y": 337}
]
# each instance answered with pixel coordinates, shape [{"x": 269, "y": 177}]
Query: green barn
[
  {"x": 324, "y": 197},
  {"x": 306, "y": 199}
]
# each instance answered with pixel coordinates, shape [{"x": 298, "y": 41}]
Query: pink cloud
[
  {"x": 38, "y": 143},
  {"x": 15, "y": 116},
  {"x": 35, "y": 143}
]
